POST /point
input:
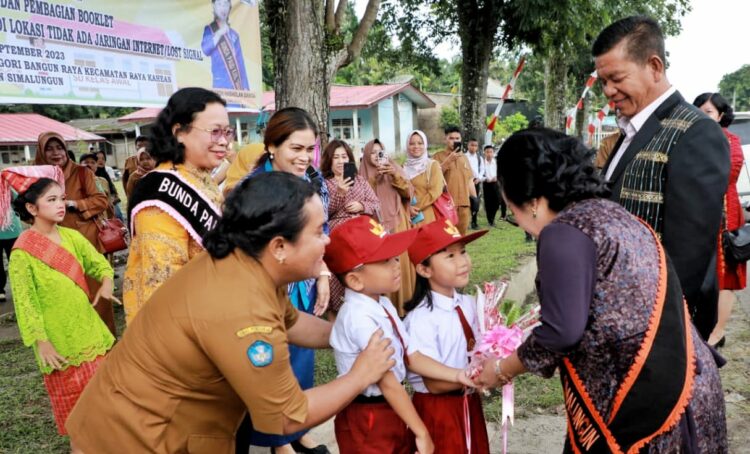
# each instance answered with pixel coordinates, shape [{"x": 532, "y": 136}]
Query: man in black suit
[{"x": 671, "y": 164}]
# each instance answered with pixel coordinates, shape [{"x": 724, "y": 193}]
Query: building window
[
  {"x": 343, "y": 128},
  {"x": 6, "y": 157}
]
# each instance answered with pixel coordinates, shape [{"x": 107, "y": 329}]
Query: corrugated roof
[
  {"x": 343, "y": 97},
  {"x": 149, "y": 114},
  {"x": 24, "y": 129}
]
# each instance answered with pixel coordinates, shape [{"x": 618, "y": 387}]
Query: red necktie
[
  {"x": 468, "y": 333},
  {"x": 398, "y": 334}
]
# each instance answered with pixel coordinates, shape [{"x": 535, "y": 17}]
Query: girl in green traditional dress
[{"x": 47, "y": 271}]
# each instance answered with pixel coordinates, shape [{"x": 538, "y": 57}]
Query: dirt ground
[{"x": 544, "y": 432}]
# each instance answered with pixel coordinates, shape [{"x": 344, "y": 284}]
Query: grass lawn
[{"x": 27, "y": 426}]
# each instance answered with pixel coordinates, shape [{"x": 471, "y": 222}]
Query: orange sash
[
  {"x": 52, "y": 255},
  {"x": 654, "y": 393}
]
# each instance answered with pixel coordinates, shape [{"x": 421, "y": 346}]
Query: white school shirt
[
  {"x": 359, "y": 317},
  {"x": 490, "y": 171},
  {"x": 476, "y": 162},
  {"x": 631, "y": 126},
  {"x": 438, "y": 333}
]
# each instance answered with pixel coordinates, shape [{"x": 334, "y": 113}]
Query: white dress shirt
[
  {"x": 631, "y": 126},
  {"x": 438, "y": 332},
  {"x": 490, "y": 171},
  {"x": 359, "y": 317},
  {"x": 477, "y": 164}
]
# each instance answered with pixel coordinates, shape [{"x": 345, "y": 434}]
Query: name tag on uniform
[
  {"x": 260, "y": 354},
  {"x": 254, "y": 330}
]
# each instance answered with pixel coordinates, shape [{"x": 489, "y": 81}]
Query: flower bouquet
[{"x": 503, "y": 325}]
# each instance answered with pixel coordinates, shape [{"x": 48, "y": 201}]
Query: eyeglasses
[{"x": 218, "y": 133}]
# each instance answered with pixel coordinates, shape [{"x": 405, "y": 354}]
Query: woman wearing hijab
[
  {"x": 425, "y": 176},
  {"x": 83, "y": 203},
  {"x": 144, "y": 164},
  {"x": 394, "y": 191}
]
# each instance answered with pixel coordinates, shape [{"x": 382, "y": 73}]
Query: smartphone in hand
[{"x": 350, "y": 170}]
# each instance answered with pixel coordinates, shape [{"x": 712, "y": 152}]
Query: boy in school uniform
[{"x": 378, "y": 421}]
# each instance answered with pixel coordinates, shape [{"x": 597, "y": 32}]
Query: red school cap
[
  {"x": 363, "y": 240},
  {"x": 436, "y": 236}
]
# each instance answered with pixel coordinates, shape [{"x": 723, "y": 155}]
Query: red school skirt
[
  {"x": 443, "y": 414},
  {"x": 65, "y": 387},
  {"x": 370, "y": 426}
]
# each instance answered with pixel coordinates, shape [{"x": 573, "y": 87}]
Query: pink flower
[{"x": 501, "y": 341}]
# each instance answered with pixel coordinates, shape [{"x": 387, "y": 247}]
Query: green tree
[
  {"x": 562, "y": 31},
  {"x": 508, "y": 125},
  {"x": 449, "y": 116},
  {"x": 735, "y": 87},
  {"x": 66, "y": 112}
]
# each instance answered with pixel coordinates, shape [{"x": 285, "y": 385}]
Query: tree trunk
[
  {"x": 308, "y": 49},
  {"x": 555, "y": 82},
  {"x": 477, "y": 27},
  {"x": 477, "y": 52},
  {"x": 301, "y": 62},
  {"x": 581, "y": 120}
]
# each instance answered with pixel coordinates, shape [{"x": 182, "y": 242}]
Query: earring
[
  {"x": 533, "y": 213},
  {"x": 270, "y": 156},
  {"x": 281, "y": 260}
]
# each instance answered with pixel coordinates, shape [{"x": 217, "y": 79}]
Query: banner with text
[{"x": 128, "y": 52}]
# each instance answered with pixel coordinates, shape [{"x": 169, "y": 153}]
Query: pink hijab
[{"x": 390, "y": 199}]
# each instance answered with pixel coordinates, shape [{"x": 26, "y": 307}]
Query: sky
[{"x": 715, "y": 40}]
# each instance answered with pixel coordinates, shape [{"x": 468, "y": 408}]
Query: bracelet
[
  {"x": 498, "y": 370},
  {"x": 325, "y": 273}
]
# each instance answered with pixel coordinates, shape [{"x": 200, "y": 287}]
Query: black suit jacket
[{"x": 697, "y": 175}]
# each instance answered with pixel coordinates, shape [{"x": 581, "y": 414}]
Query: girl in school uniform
[{"x": 442, "y": 324}]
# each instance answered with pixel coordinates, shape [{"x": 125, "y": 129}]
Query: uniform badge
[
  {"x": 260, "y": 353},
  {"x": 254, "y": 330}
]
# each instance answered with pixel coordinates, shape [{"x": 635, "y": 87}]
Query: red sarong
[
  {"x": 65, "y": 387},
  {"x": 443, "y": 414},
  {"x": 371, "y": 428}
]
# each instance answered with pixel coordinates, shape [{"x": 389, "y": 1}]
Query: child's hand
[
  {"x": 424, "y": 444},
  {"x": 49, "y": 355},
  {"x": 105, "y": 291},
  {"x": 464, "y": 379},
  {"x": 375, "y": 360}
]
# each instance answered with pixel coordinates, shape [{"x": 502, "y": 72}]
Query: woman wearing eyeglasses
[{"x": 177, "y": 203}]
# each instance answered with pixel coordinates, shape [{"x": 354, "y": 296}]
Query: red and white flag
[
  {"x": 506, "y": 94},
  {"x": 579, "y": 105}
]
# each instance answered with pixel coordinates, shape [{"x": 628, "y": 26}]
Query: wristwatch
[{"x": 325, "y": 273}]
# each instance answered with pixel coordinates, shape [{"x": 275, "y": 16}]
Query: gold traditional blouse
[{"x": 161, "y": 245}]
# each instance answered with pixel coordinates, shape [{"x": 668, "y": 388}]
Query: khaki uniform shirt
[
  {"x": 210, "y": 344},
  {"x": 458, "y": 177}
]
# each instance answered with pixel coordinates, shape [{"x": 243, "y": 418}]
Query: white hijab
[{"x": 416, "y": 166}]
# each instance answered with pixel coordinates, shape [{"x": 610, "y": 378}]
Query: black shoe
[
  {"x": 474, "y": 226},
  {"x": 721, "y": 342},
  {"x": 492, "y": 224},
  {"x": 320, "y": 449}
]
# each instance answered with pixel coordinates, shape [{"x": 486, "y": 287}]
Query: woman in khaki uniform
[{"x": 212, "y": 341}]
